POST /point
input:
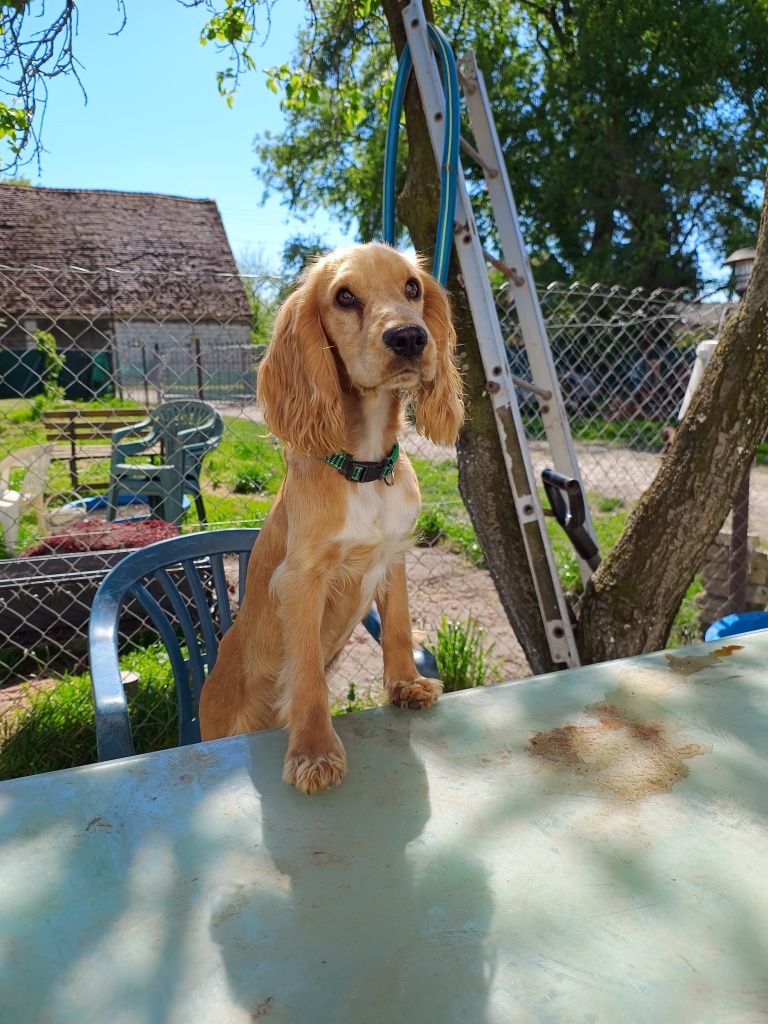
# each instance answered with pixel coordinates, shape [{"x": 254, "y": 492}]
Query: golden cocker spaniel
[{"x": 365, "y": 332}]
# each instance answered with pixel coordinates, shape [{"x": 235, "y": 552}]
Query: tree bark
[
  {"x": 483, "y": 480},
  {"x": 631, "y": 601}
]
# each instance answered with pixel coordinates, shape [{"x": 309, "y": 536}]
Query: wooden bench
[
  {"x": 75, "y": 434},
  {"x": 30, "y": 493}
]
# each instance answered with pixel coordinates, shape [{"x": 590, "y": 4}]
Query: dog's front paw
[
  {"x": 313, "y": 768},
  {"x": 417, "y": 694}
]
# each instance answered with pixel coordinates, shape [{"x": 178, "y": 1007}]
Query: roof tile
[{"x": 155, "y": 256}]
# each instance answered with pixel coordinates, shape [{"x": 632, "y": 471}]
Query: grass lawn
[
  {"x": 54, "y": 729},
  {"x": 18, "y": 427},
  {"x": 240, "y": 478}
]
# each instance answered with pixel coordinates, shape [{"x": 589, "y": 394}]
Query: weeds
[
  {"x": 462, "y": 658},
  {"x": 56, "y": 727},
  {"x": 435, "y": 525},
  {"x": 606, "y": 505},
  {"x": 354, "y": 703},
  {"x": 251, "y": 481},
  {"x": 430, "y": 527}
]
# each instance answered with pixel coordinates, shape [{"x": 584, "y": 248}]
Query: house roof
[{"x": 84, "y": 253}]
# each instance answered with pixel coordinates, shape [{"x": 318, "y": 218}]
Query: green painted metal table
[{"x": 587, "y": 846}]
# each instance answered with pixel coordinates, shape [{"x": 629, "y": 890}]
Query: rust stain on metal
[
  {"x": 687, "y": 664},
  {"x": 618, "y": 755}
]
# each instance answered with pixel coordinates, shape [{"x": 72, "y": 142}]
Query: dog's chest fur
[
  {"x": 376, "y": 531},
  {"x": 379, "y": 515}
]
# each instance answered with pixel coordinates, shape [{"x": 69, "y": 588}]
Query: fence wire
[{"x": 83, "y": 354}]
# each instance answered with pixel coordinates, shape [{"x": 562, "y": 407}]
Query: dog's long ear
[
  {"x": 440, "y": 408},
  {"x": 298, "y": 383}
]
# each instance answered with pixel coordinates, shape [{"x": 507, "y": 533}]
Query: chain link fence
[
  {"x": 84, "y": 354},
  {"x": 623, "y": 360}
]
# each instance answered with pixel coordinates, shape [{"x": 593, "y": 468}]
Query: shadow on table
[{"x": 352, "y": 931}]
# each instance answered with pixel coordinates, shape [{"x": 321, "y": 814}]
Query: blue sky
[{"x": 154, "y": 121}]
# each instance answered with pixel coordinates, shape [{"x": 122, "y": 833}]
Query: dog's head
[{"x": 364, "y": 318}]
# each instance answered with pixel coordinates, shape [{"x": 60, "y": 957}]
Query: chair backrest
[
  {"x": 191, "y": 425},
  {"x": 185, "y": 414},
  {"x": 181, "y": 584}
]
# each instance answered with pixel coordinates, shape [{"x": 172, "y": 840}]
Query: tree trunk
[
  {"x": 631, "y": 601},
  {"x": 483, "y": 480}
]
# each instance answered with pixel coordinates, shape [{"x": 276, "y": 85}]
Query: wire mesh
[{"x": 109, "y": 346}]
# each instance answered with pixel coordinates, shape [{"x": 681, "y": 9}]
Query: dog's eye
[
  {"x": 412, "y": 288},
  {"x": 345, "y": 298}
]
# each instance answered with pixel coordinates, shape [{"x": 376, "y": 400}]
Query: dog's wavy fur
[{"x": 329, "y": 383}]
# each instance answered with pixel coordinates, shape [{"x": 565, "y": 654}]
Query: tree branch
[{"x": 29, "y": 58}]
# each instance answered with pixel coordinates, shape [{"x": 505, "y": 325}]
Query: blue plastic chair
[
  {"x": 144, "y": 576},
  {"x": 201, "y": 615}
]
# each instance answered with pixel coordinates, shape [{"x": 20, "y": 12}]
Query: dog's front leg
[
  {"x": 404, "y": 686},
  {"x": 315, "y": 759}
]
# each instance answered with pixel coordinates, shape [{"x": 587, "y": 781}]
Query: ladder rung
[
  {"x": 509, "y": 272},
  {"x": 491, "y": 172},
  {"x": 519, "y": 382}
]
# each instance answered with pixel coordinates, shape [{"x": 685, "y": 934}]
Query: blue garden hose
[{"x": 450, "y": 162}]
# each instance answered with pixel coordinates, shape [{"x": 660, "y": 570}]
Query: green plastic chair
[{"x": 186, "y": 430}]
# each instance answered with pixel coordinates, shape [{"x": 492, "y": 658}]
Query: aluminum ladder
[{"x": 501, "y": 384}]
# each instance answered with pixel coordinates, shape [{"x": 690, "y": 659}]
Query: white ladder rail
[{"x": 553, "y": 607}]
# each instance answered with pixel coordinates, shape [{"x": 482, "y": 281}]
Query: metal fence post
[{"x": 198, "y": 367}]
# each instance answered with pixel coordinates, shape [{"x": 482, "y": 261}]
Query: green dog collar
[{"x": 365, "y": 472}]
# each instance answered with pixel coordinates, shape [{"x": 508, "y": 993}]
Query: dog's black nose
[{"x": 406, "y": 341}]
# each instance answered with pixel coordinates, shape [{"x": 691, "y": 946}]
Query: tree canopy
[{"x": 634, "y": 130}]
